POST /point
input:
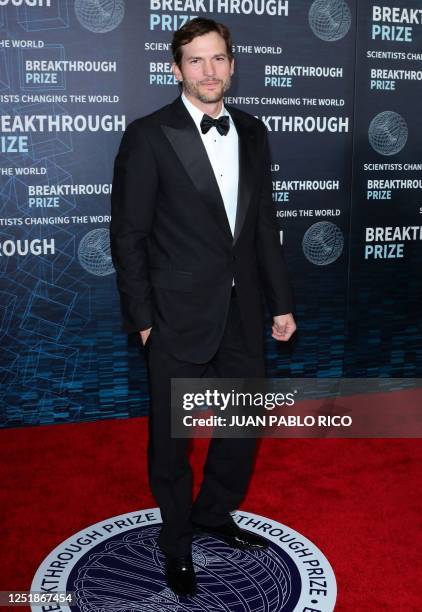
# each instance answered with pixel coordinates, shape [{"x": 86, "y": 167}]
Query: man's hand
[
  {"x": 284, "y": 327},
  {"x": 144, "y": 335}
]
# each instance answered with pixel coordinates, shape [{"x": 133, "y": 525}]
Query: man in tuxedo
[{"x": 196, "y": 247}]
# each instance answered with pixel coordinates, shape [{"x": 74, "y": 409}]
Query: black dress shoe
[
  {"x": 180, "y": 575},
  {"x": 234, "y": 536}
]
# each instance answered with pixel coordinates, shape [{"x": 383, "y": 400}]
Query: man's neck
[{"x": 210, "y": 108}]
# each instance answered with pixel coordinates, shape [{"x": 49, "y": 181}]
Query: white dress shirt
[{"x": 223, "y": 153}]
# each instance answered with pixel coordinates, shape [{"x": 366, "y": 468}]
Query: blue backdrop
[{"x": 337, "y": 84}]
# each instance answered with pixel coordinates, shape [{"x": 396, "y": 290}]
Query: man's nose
[{"x": 209, "y": 68}]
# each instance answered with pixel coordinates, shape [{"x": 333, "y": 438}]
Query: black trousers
[{"x": 229, "y": 462}]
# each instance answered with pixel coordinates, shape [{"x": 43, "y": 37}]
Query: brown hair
[{"x": 198, "y": 27}]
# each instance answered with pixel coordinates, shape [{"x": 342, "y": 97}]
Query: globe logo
[
  {"x": 330, "y": 19},
  {"x": 99, "y": 16},
  {"x": 229, "y": 579},
  {"x": 388, "y": 133},
  {"x": 94, "y": 252},
  {"x": 117, "y": 565},
  {"x": 323, "y": 243}
]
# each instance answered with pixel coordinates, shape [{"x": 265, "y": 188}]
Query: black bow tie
[{"x": 222, "y": 124}]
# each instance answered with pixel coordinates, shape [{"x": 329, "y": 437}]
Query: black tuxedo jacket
[{"x": 172, "y": 248}]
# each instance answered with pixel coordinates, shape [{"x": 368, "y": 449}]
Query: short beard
[{"x": 191, "y": 88}]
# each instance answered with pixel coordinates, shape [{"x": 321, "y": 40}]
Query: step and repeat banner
[
  {"x": 385, "y": 293},
  {"x": 338, "y": 85}
]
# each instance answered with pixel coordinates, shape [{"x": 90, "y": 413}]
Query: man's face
[{"x": 206, "y": 68}]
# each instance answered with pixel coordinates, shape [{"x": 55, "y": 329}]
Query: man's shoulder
[
  {"x": 246, "y": 118},
  {"x": 152, "y": 119}
]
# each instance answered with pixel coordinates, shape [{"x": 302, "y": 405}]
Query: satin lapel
[
  {"x": 183, "y": 136},
  {"x": 247, "y": 147}
]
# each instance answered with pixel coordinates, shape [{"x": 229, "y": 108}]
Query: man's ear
[
  {"x": 177, "y": 72},
  {"x": 232, "y": 67}
]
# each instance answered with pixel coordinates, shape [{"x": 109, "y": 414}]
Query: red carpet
[{"x": 359, "y": 501}]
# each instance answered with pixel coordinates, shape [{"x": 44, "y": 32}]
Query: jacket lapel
[
  {"x": 246, "y": 175},
  {"x": 184, "y": 137},
  {"x": 181, "y": 132}
]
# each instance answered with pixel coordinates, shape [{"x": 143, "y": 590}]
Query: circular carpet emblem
[{"x": 116, "y": 566}]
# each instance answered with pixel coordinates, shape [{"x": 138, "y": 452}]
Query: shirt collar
[{"x": 197, "y": 114}]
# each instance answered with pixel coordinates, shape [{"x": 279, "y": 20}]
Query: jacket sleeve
[
  {"x": 271, "y": 261},
  {"x": 134, "y": 191}
]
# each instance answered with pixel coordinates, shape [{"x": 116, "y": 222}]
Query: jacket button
[{"x": 234, "y": 257}]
